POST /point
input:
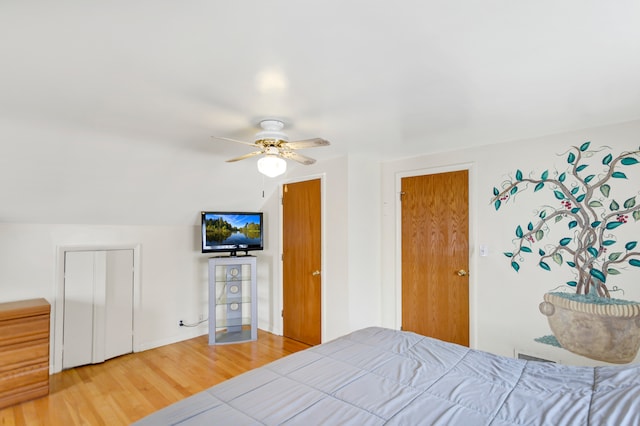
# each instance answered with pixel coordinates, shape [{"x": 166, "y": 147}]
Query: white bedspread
[{"x": 377, "y": 376}]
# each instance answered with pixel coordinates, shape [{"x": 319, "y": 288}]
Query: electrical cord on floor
[{"x": 195, "y": 324}]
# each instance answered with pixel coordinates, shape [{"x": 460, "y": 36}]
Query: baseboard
[{"x": 189, "y": 333}]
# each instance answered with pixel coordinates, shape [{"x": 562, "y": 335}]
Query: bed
[{"x": 377, "y": 376}]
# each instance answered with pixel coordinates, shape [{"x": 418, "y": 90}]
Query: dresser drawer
[
  {"x": 24, "y": 350},
  {"x": 23, "y": 354},
  {"x": 24, "y": 384},
  {"x": 23, "y": 329}
]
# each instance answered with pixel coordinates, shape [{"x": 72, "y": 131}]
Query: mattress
[{"x": 377, "y": 376}]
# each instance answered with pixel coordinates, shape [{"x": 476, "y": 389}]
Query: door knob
[
  {"x": 462, "y": 273},
  {"x": 314, "y": 273}
]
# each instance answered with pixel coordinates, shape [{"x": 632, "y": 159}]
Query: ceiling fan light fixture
[{"x": 272, "y": 165}]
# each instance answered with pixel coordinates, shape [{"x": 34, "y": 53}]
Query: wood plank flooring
[{"x": 125, "y": 389}]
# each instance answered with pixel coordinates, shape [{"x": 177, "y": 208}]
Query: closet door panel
[
  {"x": 78, "y": 309},
  {"x": 119, "y": 303}
]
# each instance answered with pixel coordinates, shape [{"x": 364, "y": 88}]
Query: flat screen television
[{"x": 232, "y": 232}]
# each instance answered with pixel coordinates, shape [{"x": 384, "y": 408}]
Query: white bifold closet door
[{"x": 98, "y": 306}]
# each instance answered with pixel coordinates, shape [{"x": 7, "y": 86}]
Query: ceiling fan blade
[
  {"x": 242, "y": 157},
  {"x": 290, "y": 155},
  {"x": 233, "y": 140},
  {"x": 307, "y": 143}
]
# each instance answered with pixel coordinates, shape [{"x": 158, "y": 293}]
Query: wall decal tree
[{"x": 594, "y": 243}]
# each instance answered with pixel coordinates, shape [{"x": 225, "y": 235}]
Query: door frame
[
  {"x": 473, "y": 267},
  {"x": 279, "y": 323},
  {"x": 57, "y": 328}
]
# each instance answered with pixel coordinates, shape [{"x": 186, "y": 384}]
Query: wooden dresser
[{"x": 24, "y": 351}]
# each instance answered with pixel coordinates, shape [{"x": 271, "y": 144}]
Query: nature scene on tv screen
[{"x": 236, "y": 229}]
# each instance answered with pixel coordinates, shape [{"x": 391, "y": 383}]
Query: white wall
[
  {"x": 351, "y": 286},
  {"x": 173, "y": 282},
  {"x": 364, "y": 241},
  {"x": 335, "y": 282},
  {"x": 173, "y": 272},
  {"x": 504, "y": 304},
  {"x": 360, "y": 279}
]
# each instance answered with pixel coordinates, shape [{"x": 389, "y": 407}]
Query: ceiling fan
[{"x": 274, "y": 144}]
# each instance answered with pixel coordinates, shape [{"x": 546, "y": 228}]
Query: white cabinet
[{"x": 233, "y": 312}]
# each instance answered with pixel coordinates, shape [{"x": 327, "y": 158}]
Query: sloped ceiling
[{"x": 107, "y": 108}]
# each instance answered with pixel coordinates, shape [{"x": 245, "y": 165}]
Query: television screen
[{"x": 231, "y": 232}]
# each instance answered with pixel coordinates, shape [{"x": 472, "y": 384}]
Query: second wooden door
[
  {"x": 301, "y": 259},
  {"x": 435, "y": 256}
]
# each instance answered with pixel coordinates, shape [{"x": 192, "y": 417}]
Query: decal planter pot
[{"x": 606, "y": 332}]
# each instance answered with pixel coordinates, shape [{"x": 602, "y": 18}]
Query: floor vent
[{"x": 532, "y": 358}]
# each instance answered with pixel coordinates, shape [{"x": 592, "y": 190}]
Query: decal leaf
[
  {"x": 615, "y": 256},
  {"x": 584, "y": 146},
  {"x": 518, "y": 175},
  {"x": 544, "y": 266},
  {"x": 598, "y": 274},
  {"x": 634, "y": 262},
  {"x": 607, "y": 159},
  {"x": 565, "y": 241},
  {"x": 605, "y": 189},
  {"x": 628, "y": 161},
  {"x": 631, "y": 245},
  {"x": 618, "y": 175},
  {"x": 630, "y": 203}
]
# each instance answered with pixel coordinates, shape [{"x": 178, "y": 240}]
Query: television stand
[{"x": 233, "y": 309}]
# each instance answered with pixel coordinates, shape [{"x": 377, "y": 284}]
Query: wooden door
[
  {"x": 301, "y": 250},
  {"x": 435, "y": 256}
]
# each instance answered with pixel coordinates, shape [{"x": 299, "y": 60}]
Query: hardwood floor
[{"x": 125, "y": 389}]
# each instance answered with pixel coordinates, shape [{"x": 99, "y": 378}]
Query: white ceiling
[{"x": 107, "y": 107}]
